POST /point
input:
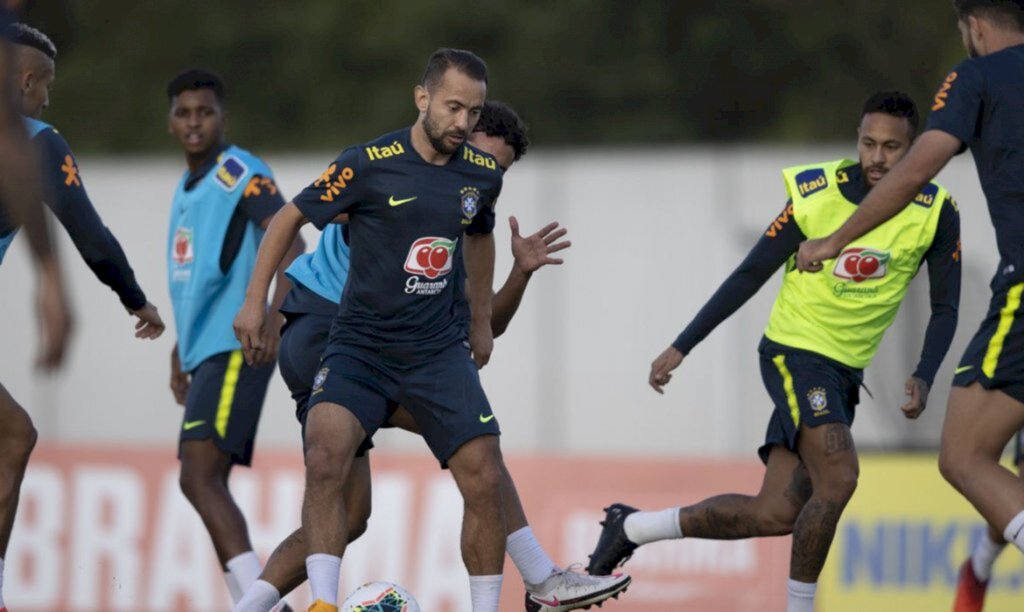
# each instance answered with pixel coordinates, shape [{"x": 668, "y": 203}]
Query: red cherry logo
[
  {"x": 423, "y": 257},
  {"x": 868, "y": 265},
  {"x": 438, "y": 258},
  {"x": 851, "y": 264}
]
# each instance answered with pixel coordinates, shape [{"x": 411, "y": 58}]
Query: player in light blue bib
[{"x": 220, "y": 209}]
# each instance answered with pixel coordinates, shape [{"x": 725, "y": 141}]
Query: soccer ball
[{"x": 380, "y": 597}]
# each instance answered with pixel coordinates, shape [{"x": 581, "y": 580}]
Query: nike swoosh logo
[
  {"x": 393, "y": 202},
  {"x": 488, "y": 419},
  {"x": 192, "y": 424},
  {"x": 963, "y": 369},
  {"x": 554, "y": 603}
]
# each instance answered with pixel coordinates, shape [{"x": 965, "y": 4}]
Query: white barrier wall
[{"x": 654, "y": 232}]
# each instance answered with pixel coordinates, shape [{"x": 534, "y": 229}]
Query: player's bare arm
[
  {"x": 277, "y": 242},
  {"x": 282, "y": 285},
  {"x": 778, "y": 243},
  {"x": 929, "y": 154},
  {"x": 530, "y": 254},
  {"x": 479, "y": 256}
]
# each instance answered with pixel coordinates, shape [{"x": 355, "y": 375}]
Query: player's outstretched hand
[
  {"x": 534, "y": 251},
  {"x": 179, "y": 380},
  {"x": 917, "y": 391},
  {"x": 661, "y": 368},
  {"x": 249, "y": 330},
  {"x": 149, "y": 326},
  {"x": 813, "y": 252},
  {"x": 55, "y": 319},
  {"x": 481, "y": 342}
]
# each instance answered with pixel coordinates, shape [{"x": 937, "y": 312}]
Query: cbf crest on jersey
[
  {"x": 470, "y": 197},
  {"x": 230, "y": 173}
]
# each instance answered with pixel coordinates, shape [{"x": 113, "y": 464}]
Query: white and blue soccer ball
[{"x": 380, "y": 597}]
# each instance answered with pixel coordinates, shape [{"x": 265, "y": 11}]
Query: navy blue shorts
[
  {"x": 225, "y": 399},
  {"x": 442, "y": 392},
  {"x": 995, "y": 356},
  {"x": 303, "y": 340},
  {"x": 808, "y": 390}
]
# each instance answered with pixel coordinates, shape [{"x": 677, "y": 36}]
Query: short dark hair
[
  {"x": 498, "y": 119},
  {"x": 1003, "y": 11},
  {"x": 895, "y": 103},
  {"x": 194, "y": 80},
  {"x": 466, "y": 62},
  {"x": 21, "y": 34}
]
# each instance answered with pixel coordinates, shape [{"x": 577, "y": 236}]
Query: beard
[{"x": 436, "y": 136}]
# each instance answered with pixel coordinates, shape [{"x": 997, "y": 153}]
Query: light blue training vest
[
  {"x": 325, "y": 270},
  {"x": 205, "y": 299}
]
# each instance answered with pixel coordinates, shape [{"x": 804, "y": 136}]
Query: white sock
[
  {"x": 801, "y": 596},
  {"x": 324, "y": 572},
  {"x": 259, "y": 597},
  {"x": 485, "y": 592},
  {"x": 233, "y": 588},
  {"x": 533, "y": 563},
  {"x": 245, "y": 568},
  {"x": 1014, "y": 532},
  {"x": 645, "y": 527},
  {"x": 984, "y": 557},
  {"x": 1, "y": 583}
]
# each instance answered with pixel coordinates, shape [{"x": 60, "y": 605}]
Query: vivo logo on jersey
[
  {"x": 811, "y": 181},
  {"x": 860, "y": 264}
]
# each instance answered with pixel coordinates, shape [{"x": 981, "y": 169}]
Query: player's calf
[
  {"x": 18, "y": 438},
  {"x": 477, "y": 471}
]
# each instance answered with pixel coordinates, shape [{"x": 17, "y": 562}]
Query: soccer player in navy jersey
[
  {"x": 20, "y": 204},
  {"x": 310, "y": 307},
  {"x": 224, "y": 201},
  {"x": 415, "y": 199},
  {"x": 980, "y": 107}
]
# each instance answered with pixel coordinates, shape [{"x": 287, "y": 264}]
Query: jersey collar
[{"x": 194, "y": 177}]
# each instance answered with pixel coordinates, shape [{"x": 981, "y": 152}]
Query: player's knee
[
  {"x": 19, "y": 440},
  {"x": 840, "y": 484},
  {"x": 952, "y": 467},
  {"x": 191, "y": 485},
  {"x": 483, "y": 484},
  {"x": 325, "y": 462}
]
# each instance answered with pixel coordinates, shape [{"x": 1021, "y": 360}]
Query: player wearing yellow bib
[{"x": 823, "y": 330}]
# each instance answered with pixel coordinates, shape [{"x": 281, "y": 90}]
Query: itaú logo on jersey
[{"x": 860, "y": 264}]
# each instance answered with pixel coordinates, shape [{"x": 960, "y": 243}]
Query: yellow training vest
[{"x": 843, "y": 311}]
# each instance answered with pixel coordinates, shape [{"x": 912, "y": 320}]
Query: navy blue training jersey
[
  {"x": 407, "y": 218},
  {"x": 982, "y": 104}
]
